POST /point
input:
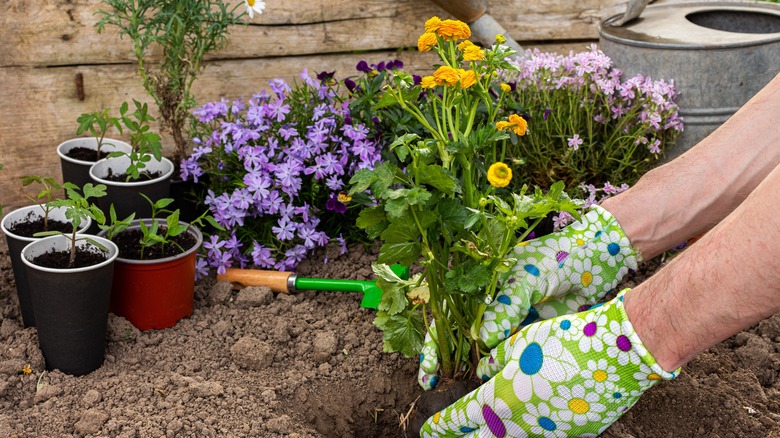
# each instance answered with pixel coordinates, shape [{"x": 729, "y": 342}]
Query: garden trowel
[{"x": 289, "y": 282}]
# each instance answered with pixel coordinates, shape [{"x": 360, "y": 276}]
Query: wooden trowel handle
[{"x": 276, "y": 280}]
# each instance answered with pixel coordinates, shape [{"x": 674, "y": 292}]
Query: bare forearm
[
  {"x": 692, "y": 193},
  {"x": 724, "y": 283}
]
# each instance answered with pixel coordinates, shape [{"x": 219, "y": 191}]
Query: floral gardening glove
[
  {"x": 566, "y": 272},
  {"x": 573, "y": 375}
]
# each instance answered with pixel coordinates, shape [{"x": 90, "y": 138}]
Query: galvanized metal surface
[{"x": 719, "y": 54}]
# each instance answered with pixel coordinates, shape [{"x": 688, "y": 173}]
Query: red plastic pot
[{"x": 155, "y": 294}]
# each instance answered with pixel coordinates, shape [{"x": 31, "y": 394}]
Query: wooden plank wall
[{"x": 46, "y": 44}]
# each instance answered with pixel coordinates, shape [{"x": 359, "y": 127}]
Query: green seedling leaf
[
  {"x": 97, "y": 244},
  {"x": 373, "y": 220}
]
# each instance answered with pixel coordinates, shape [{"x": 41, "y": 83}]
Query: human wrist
[{"x": 658, "y": 337}]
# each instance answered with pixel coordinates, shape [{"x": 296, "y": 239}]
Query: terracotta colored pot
[
  {"x": 155, "y": 294},
  {"x": 71, "y": 306}
]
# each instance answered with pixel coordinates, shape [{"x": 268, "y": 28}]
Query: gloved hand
[
  {"x": 572, "y": 375},
  {"x": 558, "y": 274}
]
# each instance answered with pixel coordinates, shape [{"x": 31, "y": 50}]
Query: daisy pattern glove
[
  {"x": 573, "y": 375},
  {"x": 566, "y": 272},
  {"x": 561, "y": 273}
]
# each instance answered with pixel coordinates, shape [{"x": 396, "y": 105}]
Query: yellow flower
[
  {"x": 432, "y": 24},
  {"x": 253, "y": 6},
  {"x": 467, "y": 78},
  {"x": 27, "y": 370},
  {"x": 453, "y": 30},
  {"x": 426, "y": 41},
  {"x": 500, "y": 39},
  {"x": 471, "y": 52},
  {"x": 518, "y": 125},
  {"x": 446, "y": 75},
  {"x": 428, "y": 82},
  {"x": 499, "y": 175},
  {"x": 506, "y": 88},
  {"x": 344, "y": 198}
]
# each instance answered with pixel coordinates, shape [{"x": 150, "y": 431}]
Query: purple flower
[
  {"x": 575, "y": 142},
  {"x": 213, "y": 245},
  {"x": 547, "y": 113},
  {"x": 333, "y": 204},
  {"x": 201, "y": 268},
  {"x": 350, "y": 84},
  {"x": 261, "y": 256},
  {"x": 285, "y": 229},
  {"x": 362, "y": 66}
]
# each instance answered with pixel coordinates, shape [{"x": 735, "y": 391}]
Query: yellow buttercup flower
[
  {"x": 467, "y": 78},
  {"x": 471, "y": 52},
  {"x": 499, "y": 175},
  {"x": 432, "y": 24},
  {"x": 426, "y": 41},
  {"x": 453, "y": 30},
  {"x": 506, "y": 88},
  {"x": 446, "y": 75},
  {"x": 518, "y": 125},
  {"x": 500, "y": 39},
  {"x": 428, "y": 82}
]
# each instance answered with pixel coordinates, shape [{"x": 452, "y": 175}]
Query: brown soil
[
  {"x": 123, "y": 177},
  {"x": 129, "y": 248},
  {"x": 251, "y": 364},
  {"x": 34, "y": 223},
  {"x": 86, "y": 154},
  {"x": 61, "y": 259}
]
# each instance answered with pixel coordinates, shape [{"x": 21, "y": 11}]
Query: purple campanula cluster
[{"x": 274, "y": 165}]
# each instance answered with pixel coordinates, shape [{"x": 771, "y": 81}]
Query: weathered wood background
[{"x": 45, "y": 44}]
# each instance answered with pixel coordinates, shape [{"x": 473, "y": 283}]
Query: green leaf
[
  {"x": 373, "y": 220},
  {"x": 393, "y": 297},
  {"x": 453, "y": 215},
  {"x": 405, "y": 253},
  {"x": 361, "y": 181},
  {"x": 438, "y": 177},
  {"x": 472, "y": 278},
  {"x": 402, "y": 333},
  {"x": 387, "y": 100}
]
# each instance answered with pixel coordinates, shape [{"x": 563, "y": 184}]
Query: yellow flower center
[
  {"x": 580, "y": 242},
  {"x": 599, "y": 375},
  {"x": 251, "y": 3},
  {"x": 654, "y": 376},
  {"x": 587, "y": 278},
  {"x": 344, "y": 198},
  {"x": 578, "y": 406},
  {"x": 436, "y": 417},
  {"x": 524, "y": 243}
]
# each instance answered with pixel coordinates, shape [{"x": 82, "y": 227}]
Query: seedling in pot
[
  {"x": 116, "y": 226},
  {"x": 145, "y": 144},
  {"x": 49, "y": 191},
  {"x": 151, "y": 233},
  {"x": 78, "y": 209},
  {"x": 97, "y": 123}
]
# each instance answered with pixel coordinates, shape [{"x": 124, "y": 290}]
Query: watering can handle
[
  {"x": 484, "y": 27},
  {"x": 633, "y": 10}
]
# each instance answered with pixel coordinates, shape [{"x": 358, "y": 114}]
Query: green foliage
[
  {"x": 436, "y": 206},
  {"x": 48, "y": 193},
  {"x": 77, "y": 209},
  {"x": 97, "y": 123},
  {"x": 586, "y": 123},
  {"x": 145, "y": 143},
  {"x": 185, "y": 32}
]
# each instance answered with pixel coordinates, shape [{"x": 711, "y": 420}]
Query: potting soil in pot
[
  {"x": 35, "y": 224},
  {"x": 254, "y": 364}
]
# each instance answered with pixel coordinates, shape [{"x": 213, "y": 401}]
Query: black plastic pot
[
  {"x": 186, "y": 197},
  {"x": 125, "y": 195},
  {"x": 71, "y": 307},
  {"x": 15, "y": 245},
  {"x": 77, "y": 171}
]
